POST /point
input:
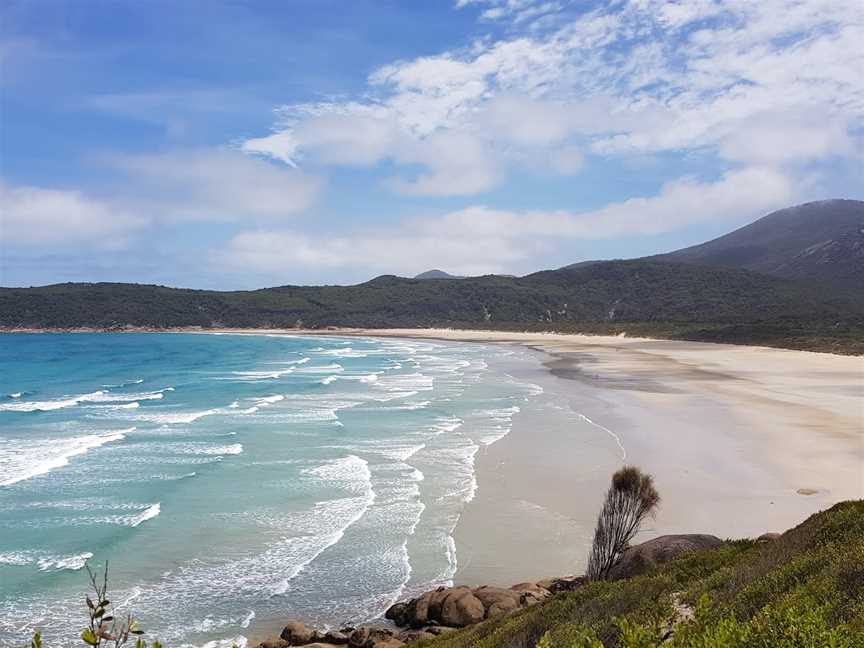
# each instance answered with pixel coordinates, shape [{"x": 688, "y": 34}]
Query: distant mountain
[
  {"x": 436, "y": 274},
  {"x": 821, "y": 241}
]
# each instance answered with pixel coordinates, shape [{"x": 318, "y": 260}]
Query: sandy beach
[{"x": 741, "y": 441}]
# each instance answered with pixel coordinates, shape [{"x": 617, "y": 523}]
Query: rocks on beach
[
  {"x": 430, "y": 614},
  {"x": 449, "y": 608}
]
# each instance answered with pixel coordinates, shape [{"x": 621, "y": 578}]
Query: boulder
[
  {"x": 417, "y": 612},
  {"x": 436, "y": 601},
  {"x": 298, "y": 634},
  {"x": 562, "y": 584},
  {"x": 461, "y": 608},
  {"x": 767, "y": 537},
  {"x": 530, "y": 593},
  {"x": 637, "y": 560},
  {"x": 335, "y": 637},
  {"x": 274, "y": 642},
  {"x": 497, "y": 600},
  {"x": 366, "y": 637},
  {"x": 409, "y": 636},
  {"x": 398, "y": 614}
]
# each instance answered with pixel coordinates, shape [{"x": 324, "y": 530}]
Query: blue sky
[{"x": 244, "y": 144}]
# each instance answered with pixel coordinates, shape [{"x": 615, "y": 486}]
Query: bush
[{"x": 630, "y": 499}]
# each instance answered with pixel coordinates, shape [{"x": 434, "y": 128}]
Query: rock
[
  {"x": 562, "y": 584},
  {"x": 335, "y": 637},
  {"x": 410, "y": 636},
  {"x": 497, "y": 600},
  {"x": 274, "y": 642},
  {"x": 417, "y": 611},
  {"x": 637, "y": 560},
  {"x": 298, "y": 634},
  {"x": 438, "y": 629},
  {"x": 767, "y": 537},
  {"x": 365, "y": 637},
  {"x": 530, "y": 593},
  {"x": 436, "y": 601},
  {"x": 398, "y": 614},
  {"x": 461, "y": 608}
]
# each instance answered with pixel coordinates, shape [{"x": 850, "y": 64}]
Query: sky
[{"x": 243, "y": 144}]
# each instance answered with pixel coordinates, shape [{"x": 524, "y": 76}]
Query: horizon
[
  {"x": 386, "y": 274},
  {"x": 225, "y": 147}
]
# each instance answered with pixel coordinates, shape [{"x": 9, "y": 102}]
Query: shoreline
[
  {"x": 437, "y": 333},
  {"x": 741, "y": 441}
]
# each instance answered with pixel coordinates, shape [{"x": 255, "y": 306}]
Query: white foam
[
  {"x": 322, "y": 369},
  {"x": 15, "y": 395},
  {"x": 168, "y": 418},
  {"x": 256, "y": 376},
  {"x": 73, "y": 562},
  {"x": 607, "y": 431},
  {"x": 49, "y": 405},
  {"x": 269, "y": 400},
  {"x": 25, "y": 459},
  {"x": 44, "y": 561},
  {"x": 328, "y": 380},
  {"x": 147, "y": 514}
]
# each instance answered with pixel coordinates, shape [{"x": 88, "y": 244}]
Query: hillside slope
[
  {"x": 613, "y": 291},
  {"x": 804, "y": 589},
  {"x": 822, "y": 241}
]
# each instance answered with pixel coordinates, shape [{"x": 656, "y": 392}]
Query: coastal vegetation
[
  {"x": 803, "y": 589},
  {"x": 660, "y": 299},
  {"x": 631, "y": 498}
]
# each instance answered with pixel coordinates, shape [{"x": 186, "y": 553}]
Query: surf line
[{"x": 607, "y": 431}]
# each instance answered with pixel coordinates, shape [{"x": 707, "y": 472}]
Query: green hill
[
  {"x": 802, "y": 590},
  {"x": 640, "y": 297},
  {"x": 822, "y": 241}
]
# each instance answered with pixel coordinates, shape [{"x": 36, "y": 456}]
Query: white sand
[{"x": 741, "y": 440}]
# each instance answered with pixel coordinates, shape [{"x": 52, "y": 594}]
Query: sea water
[{"x": 233, "y": 481}]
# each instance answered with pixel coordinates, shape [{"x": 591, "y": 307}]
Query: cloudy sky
[{"x": 216, "y": 144}]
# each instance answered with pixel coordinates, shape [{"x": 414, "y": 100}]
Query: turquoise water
[{"x": 235, "y": 480}]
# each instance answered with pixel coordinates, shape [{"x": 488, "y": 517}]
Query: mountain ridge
[{"x": 820, "y": 241}]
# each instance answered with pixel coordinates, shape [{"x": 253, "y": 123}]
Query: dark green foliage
[
  {"x": 803, "y": 590},
  {"x": 670, "y": 300}
]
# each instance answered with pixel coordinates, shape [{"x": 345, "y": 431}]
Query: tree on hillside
[{"x": 630, "y": 499}]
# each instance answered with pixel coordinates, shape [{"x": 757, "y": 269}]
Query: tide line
[{"x": 607, "y": 431}]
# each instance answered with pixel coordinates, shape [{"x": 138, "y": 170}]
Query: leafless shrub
[{"x": 630, "y": 499}]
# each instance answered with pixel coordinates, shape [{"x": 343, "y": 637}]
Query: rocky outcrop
[
  {"x": 457, "y": 607},
  {"x": 639, "y": 559},
  {"x": 435, "y": 612}
]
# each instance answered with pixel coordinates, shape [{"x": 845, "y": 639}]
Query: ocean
[{"x": 235, "y": 481}]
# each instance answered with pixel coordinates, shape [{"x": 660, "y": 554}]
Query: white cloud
[
  {"x": 204, "y": 185},
  {"x": 479, "y": 240},
  {"x": 624, "y": 79},
  {"x": 48, "y": 217},
  {"x": 214, "y": 184}
]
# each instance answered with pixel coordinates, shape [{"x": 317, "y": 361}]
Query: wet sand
[{"x": 740, "y": 440}]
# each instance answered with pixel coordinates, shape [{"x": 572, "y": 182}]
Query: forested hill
[{"x": 663, "y": 298}]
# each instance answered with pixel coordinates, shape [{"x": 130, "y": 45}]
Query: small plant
[
  {"x": 630, "y": 499},
  {"x": 104, "y": 629}
]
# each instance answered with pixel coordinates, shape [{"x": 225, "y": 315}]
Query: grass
[{"x": 803, "y": 590}]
